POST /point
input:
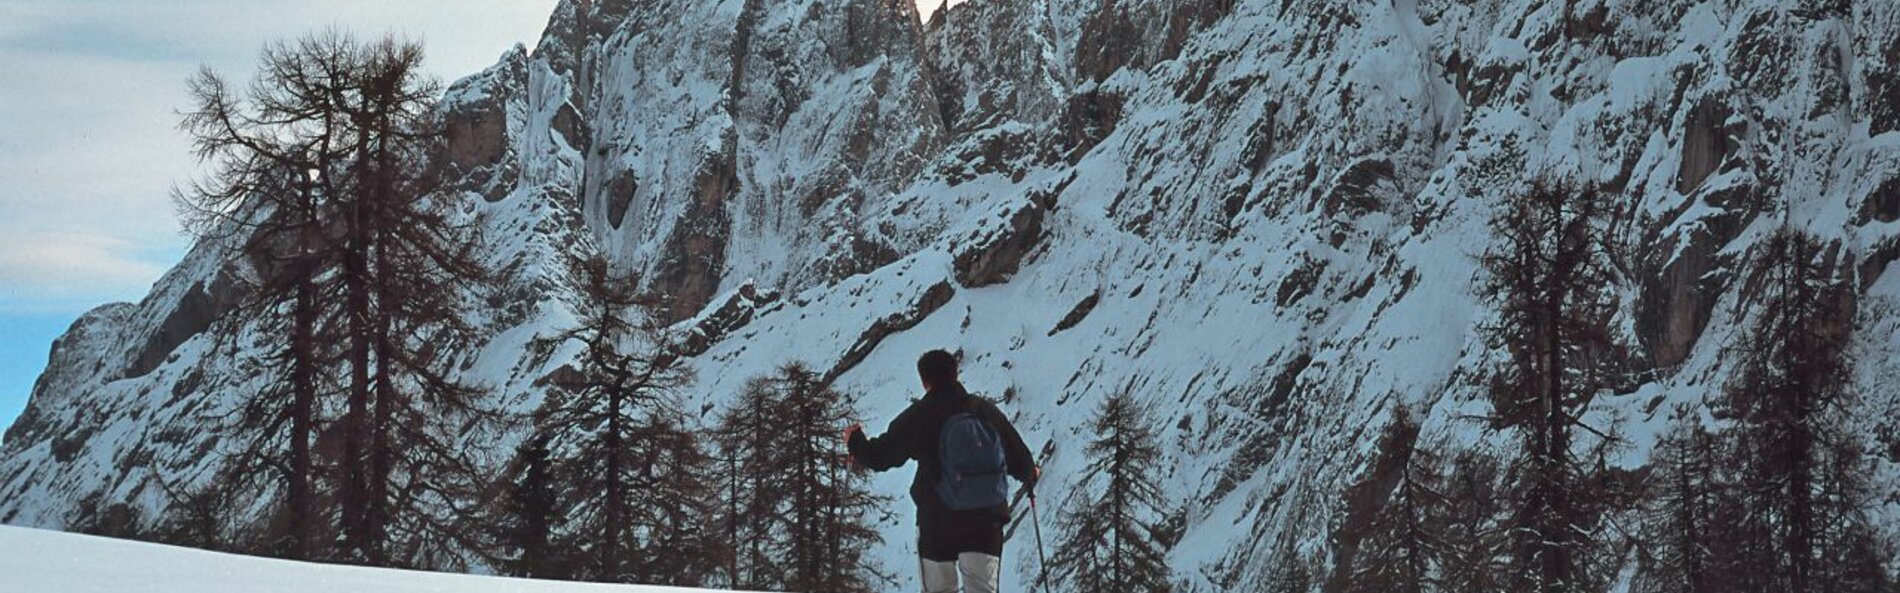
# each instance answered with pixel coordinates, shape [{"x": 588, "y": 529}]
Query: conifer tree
[
  {"x": 627, "y": 476},
  {"x": 746, "y": 436},
  {"x": 1689, "y": 554},
  {"x": 525, "y": 527},
  {"x": 1397, "y": 551},
  {"x": 1473, "y": 527},
  {"x": 1109, "y": 521},
  {"x": 1549, "y": 280},
  {"x": 800, "y": 518},
  {"x": 1799, "y": 472},
  {"x": 405, "y": 471},
  {"x": 277, "y": 169},
  {"x": 329, "y": 169}
]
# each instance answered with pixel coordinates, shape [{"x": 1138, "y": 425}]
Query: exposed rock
[
  {"x": 1760, "y": 55},
  {"x": 873, "y": 29},
  {"x": 983, "y": 79},
  {"x": 723, "y": 318},
  {"x": 1077, "y": 314},
  {"x": 619, "y": 195},
  {"x": 567, "y": 123},
  {"x": 1087, "y": 119},
  {"x": 996, "y": 151},
  {"x": 476, "y": 120},
  {"x": 1676, "y": 300},
  {"x": 1883, "y": 86},
  {"x": 199, "y": 307},
  {"x": 934, "y": 298},
  {"x": 1363, "y": 187},
  {"x": 1675, "y": 306},
  {"x": 1883, "y": 203},
  {"x": 1875, "y": 263},
  {"x": 993, "y": 255},
  {"x": 871, "y": 253},
  {"x": 1590, "y": 19},
  {"x": 1705, "y": 144},
  {"x": 1123, "y": 33},
  {"x": 1299, "y": 283},
  {"x": 692, "y": 264}
]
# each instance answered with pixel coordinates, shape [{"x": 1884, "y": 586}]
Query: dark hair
[{"x": 937, "y": 367}]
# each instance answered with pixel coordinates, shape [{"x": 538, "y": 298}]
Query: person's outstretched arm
[{"x": 886, "y": 451}]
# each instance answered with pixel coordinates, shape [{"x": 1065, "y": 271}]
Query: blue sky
[{"x": 89, "y": 91}]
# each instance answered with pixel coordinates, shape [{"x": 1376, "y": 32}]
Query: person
[{"x": 950, "y": 540}]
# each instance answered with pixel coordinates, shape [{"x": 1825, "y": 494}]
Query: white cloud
[
  {"x": 89, "y": 94},
  {"x": 65, "y": 271}
]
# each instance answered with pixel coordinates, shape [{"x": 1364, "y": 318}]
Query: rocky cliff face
[{"x": 1260, "y": 217}]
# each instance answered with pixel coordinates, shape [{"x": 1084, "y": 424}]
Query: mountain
[{"x": 1262, "y": 218}]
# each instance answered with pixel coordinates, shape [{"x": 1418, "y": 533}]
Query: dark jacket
[{"x": 914, "y": 436}]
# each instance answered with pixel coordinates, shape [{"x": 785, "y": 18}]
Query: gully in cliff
[{"x": 964, "y": 448}]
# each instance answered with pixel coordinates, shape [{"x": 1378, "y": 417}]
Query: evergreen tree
[
  {"x": 525, "y": 527},
  {"x": 329, "y": 170},
  {"x": 679, "y": 548},
  {"x": 1109, "y": 538},
  {"x": 798, "y": 517},
  {"x": 746, "y": 437},
  {"x": 1549, "y": 279},
  {"x": 628, "y": 477},
  {"x": 1473, "y": 528},
  {"x": 1397, "y": 548},
  {"x": 404, "y": 471},
  {"x": 1777, "y": 501},
  {"x": 276, "y": 159},
  {"x": 1692, "y": 526},
  {"x": 1799, "y": 472}
]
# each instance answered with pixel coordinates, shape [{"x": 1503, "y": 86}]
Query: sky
[
  {"x": 89, "y": 95},
  {"x": 89, "y": 151},
  {"x": 925, "y": 7}
]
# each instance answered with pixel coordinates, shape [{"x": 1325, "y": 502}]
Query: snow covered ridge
[
  {"x": 38, "y": 561},
  {"x": 1261, "y": 218}
]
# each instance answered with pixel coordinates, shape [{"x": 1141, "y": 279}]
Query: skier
[{"x": 963, "y": 447}]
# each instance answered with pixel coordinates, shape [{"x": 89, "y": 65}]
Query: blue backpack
[{"x": 974, "y": 471}]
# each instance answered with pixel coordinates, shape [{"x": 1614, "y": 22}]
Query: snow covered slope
[
  {"x": 36, "y": 561},
  {"x": 1259, "y": 217}
]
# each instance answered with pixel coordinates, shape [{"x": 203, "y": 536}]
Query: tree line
[
  {"x": 356, "y": 431},
  {"x": 355, "y": 428},
  {"x": 1763, "y": 490}
]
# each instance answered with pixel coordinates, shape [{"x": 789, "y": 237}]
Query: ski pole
[{"x": 1035, "y": 518}]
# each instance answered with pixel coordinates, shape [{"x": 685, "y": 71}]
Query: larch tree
[
  {"x": 1473, "y": 527},
  {"x": 524, "y": 525},
  {"x": 408, "y": 254},
  {"x": 800, "y": 518},
  {"x": 275, "y": 156},
  {"x": 1688, "y": 494},
  {"x": 1397, "y": 547},
  {"x": 1109, "y": 524},
  {"x": 628, "y": 476},
  {"x": 1549, "y": 278},
  {"x": 1800, "y": 472}
]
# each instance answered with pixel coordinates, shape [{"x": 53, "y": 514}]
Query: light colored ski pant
[{"x": 980, "y": 572}]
